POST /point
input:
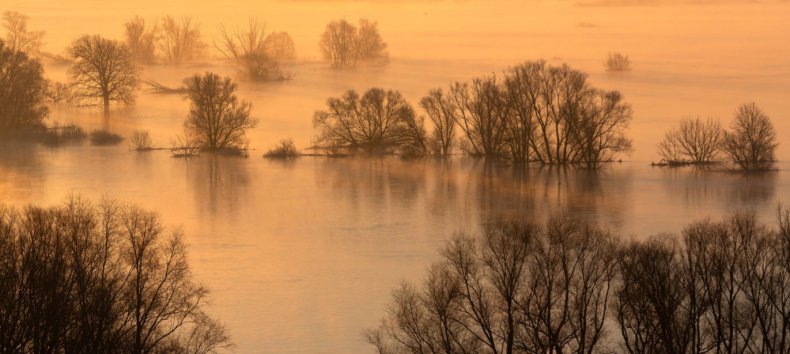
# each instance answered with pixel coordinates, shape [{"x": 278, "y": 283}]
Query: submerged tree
[
  {"x": 217, "y": 119},
  {"x": 538, "y": 112},
  {"x": 181, "y": 42},
  {"x": 280, "y": 46},
  {"x": 18, "y": 38},
  {"x": 479, "y": 110},
  {"x": 249, "y": 51},
  {"x": 141, "y": 39},
  {"x": 103, "y": 69},
  {"x": 617, "y": 62},
  {"x": 344, "y": 45},
  {"x": 23, "y": 91},
  {"x": 441, "y": 112},
  {"x": 695, "y": 141},
  {"x": 752, "y": 142},
  {"x": 377, "y": 121}
]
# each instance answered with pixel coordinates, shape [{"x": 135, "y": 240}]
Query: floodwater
[{"x": 301, "y": 255}]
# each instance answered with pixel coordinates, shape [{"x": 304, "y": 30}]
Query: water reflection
[
  {"x": 700, "y": 187},
  {"x": 311, "y": 247},
  {"x": 219, "y": 183},
  {"x": 21, "y": 172}
]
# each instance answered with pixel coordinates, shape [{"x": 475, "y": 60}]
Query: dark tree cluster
[
  {"x": 567, "y": 286},
  {"x": 100, "y": 277},
  {"x": 750, "y": 144},
  {"x": 22, "y": 91},
  {"x": 535, "y": 113},
  {"x": 376, "y": 122}
]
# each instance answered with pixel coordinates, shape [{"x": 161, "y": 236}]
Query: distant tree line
[
  {"x": 534, "y": 113},
  {"x": 103, "y": 277},
  {"x": 566, "y": 286}
]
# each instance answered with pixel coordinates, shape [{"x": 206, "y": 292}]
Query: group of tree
[
  {"x": 750, "y": 144},
  {"x": 256, "y": 53},
  {"x": 102, "y": 277},
  {"x": 172, "y": 42},
  {"x": 345, "y": 45},
  {"x": 534, "y": 113},
  {"x": 567, "y": 286}
]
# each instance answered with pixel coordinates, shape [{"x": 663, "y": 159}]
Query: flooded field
[{"x": 301, "y": 255}]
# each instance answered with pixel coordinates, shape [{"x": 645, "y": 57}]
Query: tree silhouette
[
  {"x": 217, "y": 119},
  {"x": 344, "y": 45},
  {"x": 752, "y": 142},
  {"x": 23, "y": 91},
  {"x": 103, "y": 69},
  {"x": 18, "y": 38}
]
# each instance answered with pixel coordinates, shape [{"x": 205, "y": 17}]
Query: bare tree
[
  {"x": 600, "y": 128},
  {"x": 552, "y": 115},
  {"x": 280, "y": 46},
  {"x": 694, "y": 141},
  {"x": 517, "y": 288},
  {"x": 23, "y": 91},
  {"x": 658, "y": 305},
  {"x": 344, "y": 45},
  {"x": 617, "y": 62},
  {"x": 141, "y": 39},
  {"x": 103, "y": 70},
  {"x": 752, "y": 142},
  {"x": 415, "y": 140},
  {"x": 248, "y": 50},
  {"x": 99, "y": 278},
  {"x": 440, "y": 111},
  {"x": 375, "y": 122},
  {"x": 217, "y": 119},
  {"x": 479, "y": 110},
  {"x": 337, "y": 44},
  {"x": 18, "y": 38},
  {"x": 369, "y": 45},
  {"x": 181, "y": 42}
]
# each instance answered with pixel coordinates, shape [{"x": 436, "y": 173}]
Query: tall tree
[
  {"x": 217, "y": 118},
  {"x": 103, "y": 69}
]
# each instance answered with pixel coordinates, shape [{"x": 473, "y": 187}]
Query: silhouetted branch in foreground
[
  {"x": 566, "y": 286},
  {"x": 99, "y": 277}
]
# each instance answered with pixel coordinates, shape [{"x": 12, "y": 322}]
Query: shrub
[
  {"x": 104, "y": 137},
  {"x": 141, "y": 140},
  {"x": 284, "y": 149}
]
